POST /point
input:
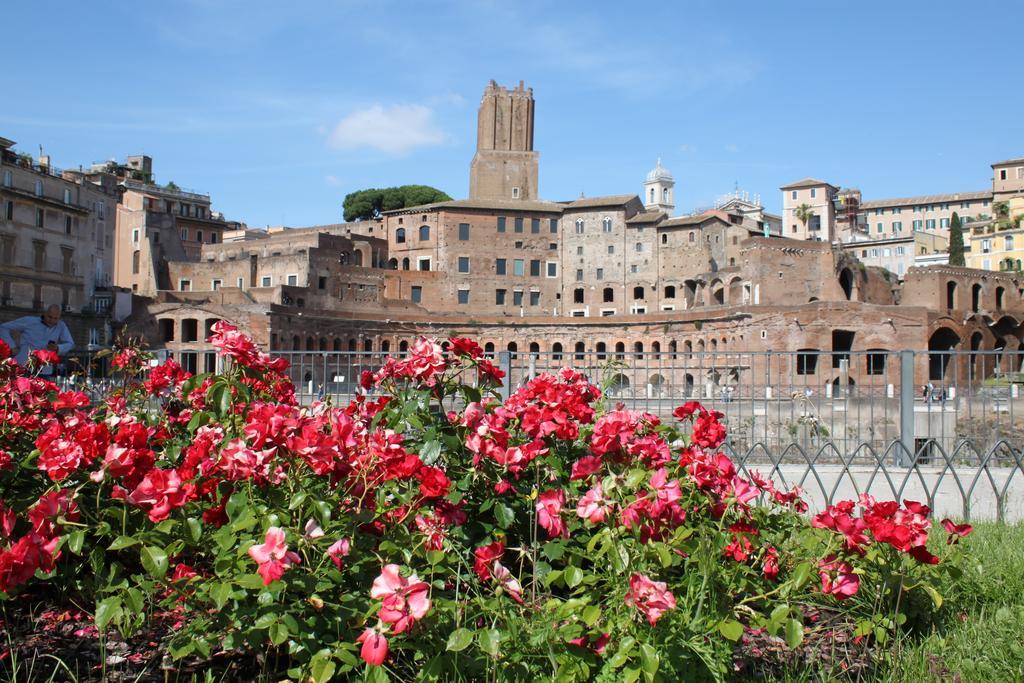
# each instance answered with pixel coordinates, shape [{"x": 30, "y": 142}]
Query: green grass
[{"x": 982, "y": 635}]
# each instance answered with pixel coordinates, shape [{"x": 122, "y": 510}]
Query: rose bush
[{"x": 429, "y": 530}]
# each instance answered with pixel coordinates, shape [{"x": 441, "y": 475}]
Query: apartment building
[
  {"x": 816, "y": 197},
  {"x": 56, "y": 236},
  {"x": 897, "y": 253}
]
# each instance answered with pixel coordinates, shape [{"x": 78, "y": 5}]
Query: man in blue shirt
[{"x": 46, "y": 331}]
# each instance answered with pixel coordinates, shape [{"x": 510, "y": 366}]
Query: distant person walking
[{"x": 35, "y": 332}]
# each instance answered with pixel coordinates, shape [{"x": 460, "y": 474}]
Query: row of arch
[
  {"x": 976, "y": 290},
  {"x": 558, "y": 350}
]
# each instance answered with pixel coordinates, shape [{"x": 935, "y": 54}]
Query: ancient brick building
[{"x": 604, "y": 275}]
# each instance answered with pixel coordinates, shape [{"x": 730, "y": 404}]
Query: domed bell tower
[{"x": 658, "y": 190}]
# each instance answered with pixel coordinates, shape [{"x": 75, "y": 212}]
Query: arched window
[
  {"x": 638, "y": 293},
  {"x": 975, "y": 298},
  {"x": 512, "y": 349},
  {"x": 403, "y": 346},
  {"x": 296, "y": 343},
  {"x": 638, "y": 347},
  {"x": 577, "y": 296},
  {"x": 310, "y": 344},
  {"x": 950, "y": 294},
  {"x": 606, "y": 224},
  {"x": 670, "y": 292},
  {"x": 620, "y": 350},
  {"x": 351, "y": 345},
  {"x": 664, "y": 196},
  {"x": 1009, "y": 243},
  {"x": 580, "y": 350},
  {"x": 385, "y": 346},
  {"x": 999, "y": 296},
  {"x": 556, "y": 351},
  {"x": 393, "y": 264},
  {"x": 673, "y": 348},
  {"x": 405, "y": 263},
  {"x": 693, "y": 236},
  {"x": 337, "y": 344},
  {"x": 368, "y": 345},
  {"x": 656, "y": 349},
  {"x": 608, "y": 295},
  {"x": 424, "y": 233},
  {"x": 400, "y": 236},
  {"x": 579, "y": 226},
  {"x": 534, "y": 347},
  {"x": 602, "y": 350},
  {"x": 652, "y": 195},
  {"x": 489, "y": 349},
  {"x": 664, "y": 238}
]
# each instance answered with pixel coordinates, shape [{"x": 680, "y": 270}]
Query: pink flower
[
  {"x": 508, "y": 582},
  {"x": 338, "y": 550},
  {"x": 955, "y": 531},
  {"x": 484, "y": 558},
  {"x": 313, "y": 530},
  {"x": 652, "y": 598},
  {"x": 592, "y": 505},
  {"x": 843, "y": 584},
  {"x": 549, "y": 512},
  {"x": 403, "y": 601},
  {"x": 375, "y": 647},
  {"x": 273, "y": 556}
]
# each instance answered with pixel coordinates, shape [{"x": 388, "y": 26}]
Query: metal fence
[{"x": 941, "y": 426}]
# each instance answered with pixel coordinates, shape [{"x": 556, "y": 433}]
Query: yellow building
[{"x": 996, "y": 247}]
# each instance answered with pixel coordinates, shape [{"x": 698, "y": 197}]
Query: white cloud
[
  {"x": 333, "y": 180},
  {"x": 396, "y": 129}
]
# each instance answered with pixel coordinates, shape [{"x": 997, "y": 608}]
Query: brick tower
[{"x": 505, "y": 165}]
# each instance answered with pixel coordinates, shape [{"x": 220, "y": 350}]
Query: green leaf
[
  {"x": 591, "y": 615},
  {"x": 220, "y": 594},
  {"x": 504, "y": 514},
  {"x": 278, "y": 633},
  {"x": 265, "y": 620},
  {"x": 572, "y": 576},
  {"x": 794, "y": 632},
  {"x": 76, "y": 540},
  {"x": 934, "y": 595},
  {"x": 134, "y": 600},
  {"x": 195, "y": 529},
  {"x": 459, "y": 640},
  {"x": 298, "y": 499},
  {"x": 489, "y": 640},
  {"x": 321, "y": 668},
  {"x": 664, "y": 556},
  {"x": 649, "y": 660},
  {"x": 630, "y": 675},
  {"x": 107, "y": 610},
  {"x": 154, "y": 560},
  {"x": 731, "y": 629},
  {"x": 430, "y": 451},
  {"x": 236, "y": 503},
  {"x": 123, "y": 542}
]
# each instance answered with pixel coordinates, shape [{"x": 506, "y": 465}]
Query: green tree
[
  {"x": 804, "y": 212},
  {"x": 370, "y": 203},
  {"x": 956, "y": 242}
]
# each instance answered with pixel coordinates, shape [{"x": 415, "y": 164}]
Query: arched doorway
[{"x": 942, "y": 341}]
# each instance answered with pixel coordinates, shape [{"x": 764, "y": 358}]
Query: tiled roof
[
  {"x": 689, "y": 221},
  {"x": 1018, "y": 160},
  {"x": 646, "y": 217},
  {"x": 609, "y": 200},
  {"x": 926, "y": 199},
  {"x": 806, "y": 182}
]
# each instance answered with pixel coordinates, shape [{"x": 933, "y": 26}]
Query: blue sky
[{"x": 280, "y": 109}]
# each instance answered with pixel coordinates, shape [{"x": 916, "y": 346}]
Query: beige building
[
  {"x": 157, "y": 224},
  {"x": 56, "y": 241},
  {"x": 1007, "y": 179},
  {"x": 897, "y": 253},
  {"x": 886, "y": 218},
  {"x": 818, "y": 196}
]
